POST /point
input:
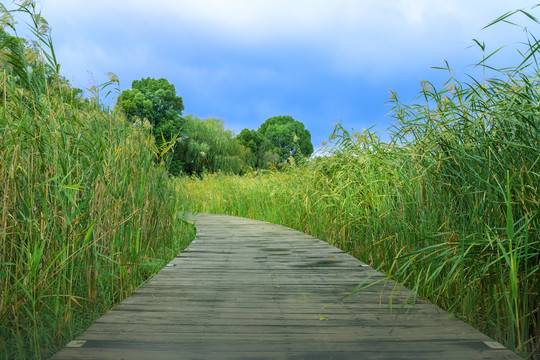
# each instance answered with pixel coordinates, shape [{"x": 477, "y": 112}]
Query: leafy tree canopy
[
  {"x": 277, "y": 140},
  {"x": 251, "y": 139},
  {"x": 154, "y": 103},
  {"x": 208, "y": 147},
  {"x": 151, "y": 100}
]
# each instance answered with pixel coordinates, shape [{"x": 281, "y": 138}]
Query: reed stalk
[{"x": 86, "y": 213}]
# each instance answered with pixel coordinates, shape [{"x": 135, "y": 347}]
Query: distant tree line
[{"x": 194, "y": 146}]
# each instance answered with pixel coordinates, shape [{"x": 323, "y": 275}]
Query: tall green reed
[{"x": 86, "y": 214}]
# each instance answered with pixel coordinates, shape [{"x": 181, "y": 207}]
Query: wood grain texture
[{"x": 247, "y": 289}]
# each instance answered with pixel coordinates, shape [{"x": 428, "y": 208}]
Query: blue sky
[{"x": 320, "y": 61}]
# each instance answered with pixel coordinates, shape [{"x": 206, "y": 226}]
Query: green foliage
[
  {"x": 449, "y": 207},
  {"x": 251, "y": 139},
  {"x": 193, "y": 145},
  {"x": 280, "y": 139},
  {"x": 154, "y": 104},
  {"x": 86, "y": 215},
  {"x": 286, "y": 137},
  {"x": 151, "y": 100},
  {"x": 208, "y": 147},
  {"x": 33, "y": 74}
]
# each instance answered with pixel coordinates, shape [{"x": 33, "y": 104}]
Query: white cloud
[
  {"x": 372, "y": 38},
  {"x": 260, "y": 23}
]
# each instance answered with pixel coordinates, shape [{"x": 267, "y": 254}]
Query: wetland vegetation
[{"x": 90, "y": 207}]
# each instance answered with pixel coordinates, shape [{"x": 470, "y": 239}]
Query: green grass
[
  {"x": 449, "y": 206},
  {"x": 86, "y": 214}
]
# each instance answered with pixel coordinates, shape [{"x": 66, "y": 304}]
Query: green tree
[
  {"x": 154, "y": 103},
  {"x": 252, "y": 140},
  {"x": 208, "y": 147},
  {"x": 151, "y": 100},
  {"x": 277, "y": 140}
]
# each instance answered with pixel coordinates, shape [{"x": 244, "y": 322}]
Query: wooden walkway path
[{"x": 247, "y": 289}]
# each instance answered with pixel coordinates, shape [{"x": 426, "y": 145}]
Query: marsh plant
[
  {"x": 86, "y": 215},
  {"x": 448, "y": 207}
]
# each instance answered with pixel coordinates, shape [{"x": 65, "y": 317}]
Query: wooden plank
[{"x": 247, "y": 289}]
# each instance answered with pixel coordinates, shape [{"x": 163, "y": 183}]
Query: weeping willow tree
[{"x": 208, "y": 147}]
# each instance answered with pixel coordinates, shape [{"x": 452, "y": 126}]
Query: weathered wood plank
[{"x": 247, "y": 289}]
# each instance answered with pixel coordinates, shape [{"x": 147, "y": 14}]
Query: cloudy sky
[{"x": 321, "y": 61}]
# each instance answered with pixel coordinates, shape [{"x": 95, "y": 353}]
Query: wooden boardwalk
[{"x": 247, "y": 289}]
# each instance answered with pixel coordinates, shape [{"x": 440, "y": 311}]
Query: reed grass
[
  {"x": 86, "y": 215},
  {"x": 448, "y": 207}
]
